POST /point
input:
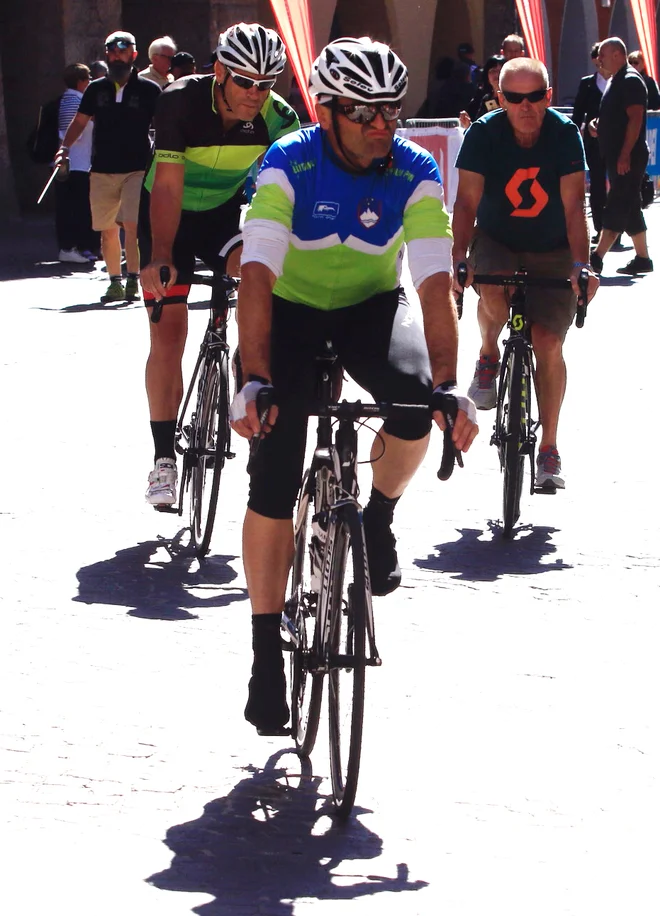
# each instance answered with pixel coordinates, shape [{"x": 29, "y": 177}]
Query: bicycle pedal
[
  {"x": 548, "y": 489},
  {"x": 230, "y": 454},
  {"x": 171, "y": 509},
  {"x": 284, "y": 732}
]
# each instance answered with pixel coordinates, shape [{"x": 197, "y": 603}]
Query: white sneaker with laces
[
  {"x": 162, "y": 483},
  {"x": 72, "y": 256},
  {"x": 548, "y": 470},
  {"x": 483, "y": 387}
]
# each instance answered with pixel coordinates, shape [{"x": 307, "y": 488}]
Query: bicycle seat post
[{"x": 325, "y": 362}]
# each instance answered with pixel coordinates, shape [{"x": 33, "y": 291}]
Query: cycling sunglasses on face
[
  {"x": 517, "y": 98},
  {"x": 245, "y": 82},
  {"x": 365, "y": 114}
]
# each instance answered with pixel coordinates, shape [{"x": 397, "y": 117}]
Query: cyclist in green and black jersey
[{"x": 210, "y": 130}]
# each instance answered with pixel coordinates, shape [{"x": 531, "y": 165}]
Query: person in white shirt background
[{"x": 78, "y": 243}]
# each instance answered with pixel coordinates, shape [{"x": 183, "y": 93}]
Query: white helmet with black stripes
[
  {"x": 253, "y": 48},
  {"x": 360, "y": 69}
]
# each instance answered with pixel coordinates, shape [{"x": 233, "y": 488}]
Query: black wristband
[
  {"x": 445, "y": 386},
  {"x": 258, "y": 378}
]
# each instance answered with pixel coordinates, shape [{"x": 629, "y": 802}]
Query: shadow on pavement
[
  {"x": 260, "y": 848},
  {"x": 94, "y": 307},
  {"x": 475, "y": 558},
  {"x": 159, "y": 580},
  {"x": 619, "y": 280}
]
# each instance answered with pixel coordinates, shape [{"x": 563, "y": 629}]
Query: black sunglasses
[
  {"x": 364, "y": 114},
  {"x": 119, "y": 45},
  {"x": 517, "y": 98},
  {"x": 245, "y": 82}
]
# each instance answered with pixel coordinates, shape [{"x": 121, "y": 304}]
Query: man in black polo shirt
[
  {"x": 122, "y": 106},
  {"x": 621, "y": 127}
]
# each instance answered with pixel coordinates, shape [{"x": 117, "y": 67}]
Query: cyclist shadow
[
  {"x": 474, "y": 558},
  {"x": 260, "y": 849},
  {"x": 159, "y": 580},
  {"x": 94, "y": 307}
]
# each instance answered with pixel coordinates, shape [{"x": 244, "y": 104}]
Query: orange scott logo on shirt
[{"x": 512, "y": 191}]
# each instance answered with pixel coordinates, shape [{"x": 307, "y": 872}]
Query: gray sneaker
[
  {"x": 483, "y": 388},
  {"x": 548, "y": 469}
]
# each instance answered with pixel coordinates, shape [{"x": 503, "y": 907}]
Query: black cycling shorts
[
  {"x": 201, "y": 234},
  {"x": 379, "y": 344}
]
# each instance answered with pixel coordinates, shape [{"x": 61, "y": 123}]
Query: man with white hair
[
  {"x": 161, "y": 52},
  {"x": 520, "y": 203}
]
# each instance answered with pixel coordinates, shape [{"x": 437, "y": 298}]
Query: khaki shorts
[
  {"x": 114, "y": 198},
  {"x": 554, "y": 309}
]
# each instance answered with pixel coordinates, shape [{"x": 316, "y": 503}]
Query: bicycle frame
[{"x": 214, "y": 339}]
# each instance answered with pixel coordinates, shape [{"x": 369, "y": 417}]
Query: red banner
[
  {"x": 644, "y": 15},
  {"x": 531, "y": 20},
  {"x": 294, "y": 23}
]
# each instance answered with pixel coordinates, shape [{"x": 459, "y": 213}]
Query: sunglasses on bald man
[{"x": 517, "y": 98}]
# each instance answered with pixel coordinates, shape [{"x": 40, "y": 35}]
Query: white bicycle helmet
[
  {"x": 360, "y": 69},
  {"x": 252, "y": 47}
]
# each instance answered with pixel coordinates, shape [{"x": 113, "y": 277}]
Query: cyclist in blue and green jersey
[
  {"x": 210, "y": 130},
  {"x": 323, "y": 247}
]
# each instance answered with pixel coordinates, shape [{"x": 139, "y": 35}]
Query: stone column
[
  {"x": 8, "y": 201},
  {"x": 86, "y": 23},
  {"x": 412, "y": 35}
]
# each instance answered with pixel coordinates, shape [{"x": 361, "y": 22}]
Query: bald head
[
  {"x": 612, "y": 55},
  {"x": 524, "y": 66}
]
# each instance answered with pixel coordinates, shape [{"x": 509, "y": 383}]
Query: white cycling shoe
[{"x": 162, "y": 483}]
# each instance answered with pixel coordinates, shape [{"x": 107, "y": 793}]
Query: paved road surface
[{"x": 512, "y": 741}]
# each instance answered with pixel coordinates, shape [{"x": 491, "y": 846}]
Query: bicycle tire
[
  {"x": 512, "y": 413},
  {"x": 306, "y": 687},
  {"x": 347, "y": 596},
  {"x": 210, "y": 441}
]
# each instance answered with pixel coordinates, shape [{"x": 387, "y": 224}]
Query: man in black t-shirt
[
  {"x": 122, "y": 106},
  {"x": 621, "y": 128}
]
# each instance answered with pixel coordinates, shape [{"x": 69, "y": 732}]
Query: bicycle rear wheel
[
  {"x": 512, "y": 409},
  {"x": 209, "y": 443},
  {"x": 347, "y": 598},
  {"x": 301, "y": 608}
]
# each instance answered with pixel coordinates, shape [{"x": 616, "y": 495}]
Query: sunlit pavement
[{"x": 511, "y": 749}]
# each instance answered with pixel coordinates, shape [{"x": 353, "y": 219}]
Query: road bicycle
[
  {"x": 514, "y": 432},
  {"x": 328, "y": 623},
  {"x": 203, "y": 433}
]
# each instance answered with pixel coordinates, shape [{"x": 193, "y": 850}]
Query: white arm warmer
[
  {"x": 267, "y": 242},
  {"x": 427, "y": 257}
]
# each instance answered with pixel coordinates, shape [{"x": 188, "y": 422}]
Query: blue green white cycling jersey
[{"x": 333, "y": 238}]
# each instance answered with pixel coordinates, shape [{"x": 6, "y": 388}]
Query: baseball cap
[
  {"x": 182, "y": 59},
  {"x": 121, "y": 40},
  {"x": 465, "y": 48}
]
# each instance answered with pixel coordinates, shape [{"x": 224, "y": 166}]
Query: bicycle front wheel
[
  {"x": 348, "y": 597},
  {"x": 301, "y": 608},
  {"x": 209, "y": 445},
  {"x": 512, "y": 411}
]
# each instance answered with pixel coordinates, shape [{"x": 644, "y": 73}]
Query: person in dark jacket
[
  {"x": 455, "y": 94},
  {"x": 486, "y": 98},
  {"x": 586, "y": 107},
  {"x": 636, "y": 59}
]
